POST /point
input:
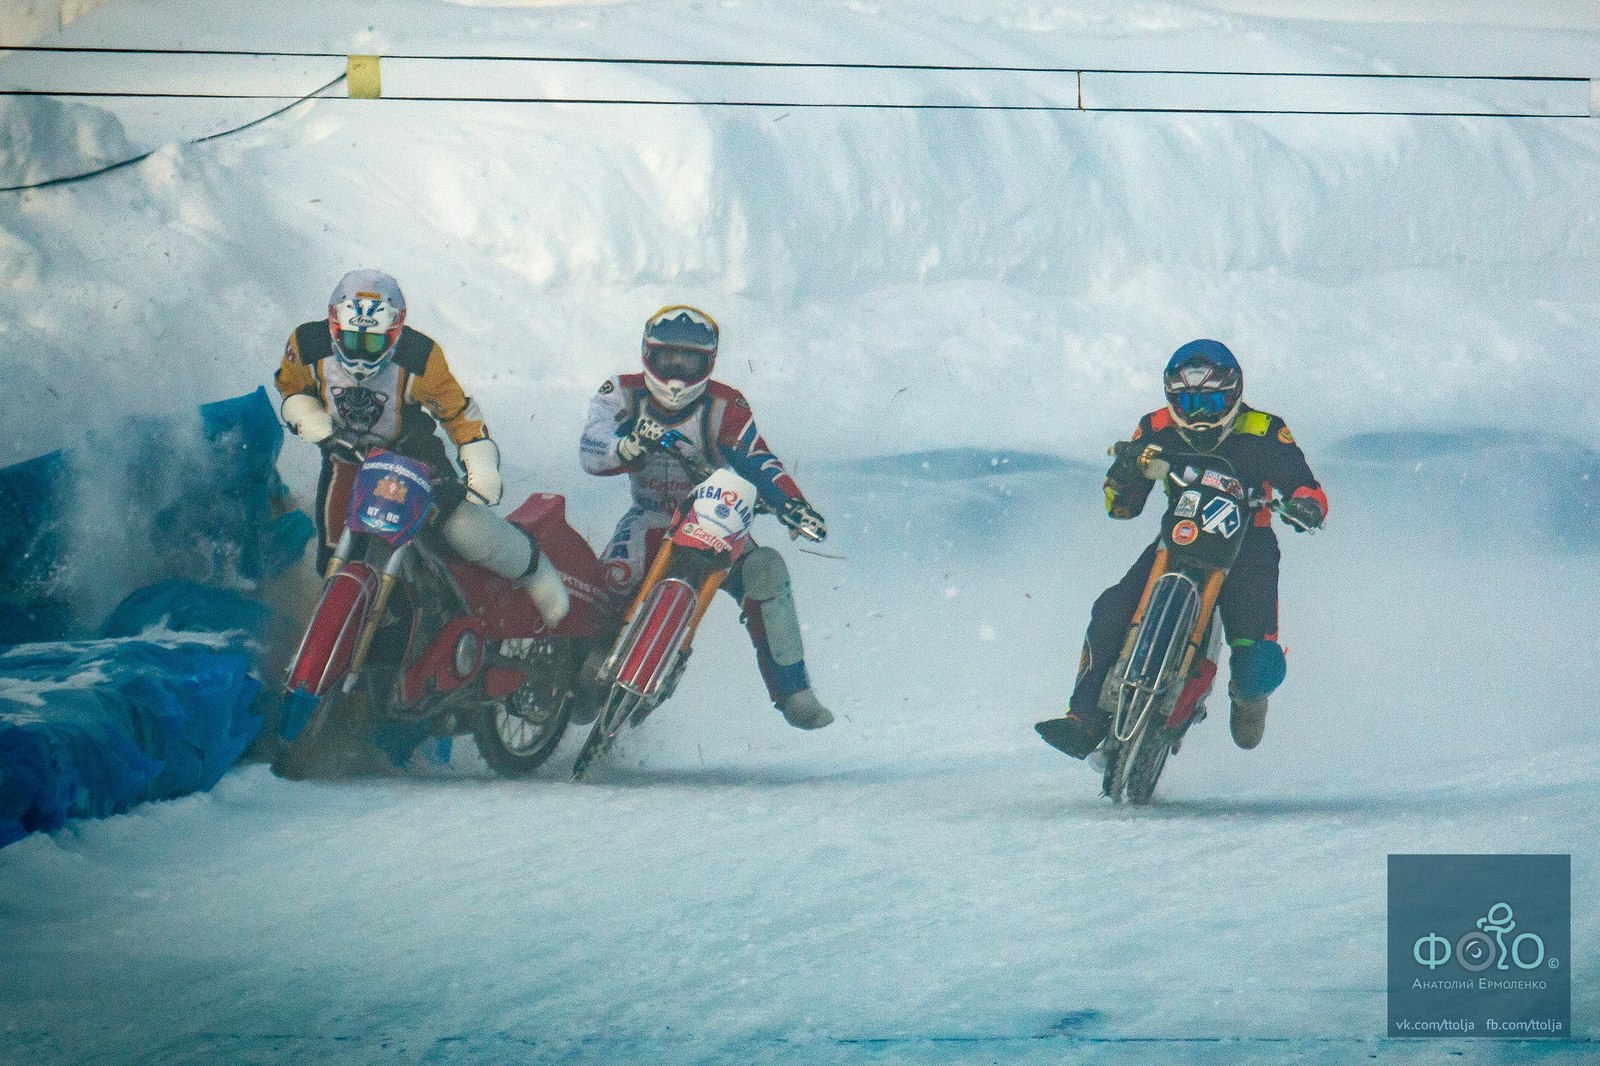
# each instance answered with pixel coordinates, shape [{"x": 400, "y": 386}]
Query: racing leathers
[
  {"x": 720, "y": 426},
  {"x": 399, "y": 408},
  {"x": 1266, "y": 459}
]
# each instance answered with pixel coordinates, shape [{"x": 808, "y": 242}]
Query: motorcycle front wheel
[
  {"x": 328, "y": 734},
  {"x": 1145, "y": 762}
]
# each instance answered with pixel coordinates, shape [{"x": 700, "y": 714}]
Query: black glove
[
  {"x": 1134, "y": 461},
  {"x": 803, "y": 520},
  {"x": 1303, "y": 513},
  {"x": 341, "y": 447}
]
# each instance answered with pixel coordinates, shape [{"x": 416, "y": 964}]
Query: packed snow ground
[{"x": 924, "y": 881}]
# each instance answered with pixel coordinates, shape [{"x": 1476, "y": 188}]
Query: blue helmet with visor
[{"x": 1204, "y": 385}]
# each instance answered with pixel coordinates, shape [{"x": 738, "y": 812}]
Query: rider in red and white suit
[{"x": 629, "y": 415}]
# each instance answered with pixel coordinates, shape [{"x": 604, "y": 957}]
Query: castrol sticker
[
  {"x": 1184, "y": 532},
  {"x": 695, "y": 535}
]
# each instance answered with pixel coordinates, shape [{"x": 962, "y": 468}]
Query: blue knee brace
[{"x": 1257, "y": 668}]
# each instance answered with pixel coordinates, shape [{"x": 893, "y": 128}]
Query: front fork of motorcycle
[{"x": 380, "y": 603}]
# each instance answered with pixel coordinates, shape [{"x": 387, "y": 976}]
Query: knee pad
[
  {"x": 481, "y": 536},
  {"x": 766, "y": 583},
  {"x": 1257, "y": 668},
  {"x": 765, "y": 575}
]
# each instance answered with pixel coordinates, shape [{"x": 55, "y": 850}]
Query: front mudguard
[{"x": 294, "y": 711}]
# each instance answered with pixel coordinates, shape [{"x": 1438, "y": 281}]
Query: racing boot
[
  {"x": 1073, "y": 734},
  {"x": 774, "y": 627},
  {"x": 804, "y": 711},
  {"x": 1248, "y": 721},
  {"x": 1258, "y": 668},
  {"x": 543, "y": 584}
]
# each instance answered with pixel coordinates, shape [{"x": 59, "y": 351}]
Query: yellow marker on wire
[{"x": 362, "y": 77}]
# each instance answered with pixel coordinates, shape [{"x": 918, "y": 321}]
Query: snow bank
[
  {"x": 912, "y": 274},
  {"x": 43, "y": 138}
]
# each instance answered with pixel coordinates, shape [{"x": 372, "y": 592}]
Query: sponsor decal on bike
[
  {"x": 391, "y": 488},
  {"x": 692, "y": 534},
  {"x": 380, "y": 521},
  {"x": 1184, "y": 532},
  {"x": 722, "y": 509},
  {"x": 1221, "y": 515},
  {"x": 391, "y": 496},
  {"x": 1188, "y": 504},
  {"x": 1285, "y": 436},
  {"x": 1218, "y": 480}
]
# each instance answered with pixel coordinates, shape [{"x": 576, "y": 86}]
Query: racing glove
[
  {"x": 803, "y": 520},
  {"x": 482, "y": 461},
  {"x": 1134, "y": 461},
  {"x": 1303, "y": 513},
  {"x": 308, "y": 417},
  {"x": 646, "y": 434},
  {"x": 342, "y": 447}
]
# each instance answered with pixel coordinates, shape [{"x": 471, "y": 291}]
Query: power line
[
  {"x": 839, "y": 105},
  {"x": 70, "y": 178},
  {"x": 976, "y": 68}
]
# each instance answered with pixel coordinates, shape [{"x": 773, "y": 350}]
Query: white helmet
[
  {"x": 680, "y": 348},
  {"x": 365, "y": 316}
]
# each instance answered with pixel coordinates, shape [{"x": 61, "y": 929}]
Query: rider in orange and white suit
[{"x": 361, "y": 377}]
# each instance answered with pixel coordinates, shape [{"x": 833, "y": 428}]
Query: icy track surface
[{"x": 924, "y": 882}]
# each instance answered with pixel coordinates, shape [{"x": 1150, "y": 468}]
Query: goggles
[
  {"x": 359, "y": 343},
  {"x": 1201, "y": 403},
  {"x": 675, "y": 363}
]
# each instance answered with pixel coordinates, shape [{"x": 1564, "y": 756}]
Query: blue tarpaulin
[
  {"x": 158, "y": 702},
  {"x": 192, "y": 497},
  {"x": 89, "y": 728}
]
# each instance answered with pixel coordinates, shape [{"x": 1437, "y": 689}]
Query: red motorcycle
[
  {"x": 408, "y": 641},
  {"x": 710, "y": 532}
]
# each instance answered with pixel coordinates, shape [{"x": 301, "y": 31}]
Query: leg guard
[
  {"x": 1256, "y": 667},
  {"x": 773, "y": 625},
  {"x": 481, "y": 536}
]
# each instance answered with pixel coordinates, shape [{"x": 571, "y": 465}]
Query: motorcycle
[
  {"x": 1157, "y": 688},
  {"x": 708, "y": 535},
  {"x": 409, "y": 642}
]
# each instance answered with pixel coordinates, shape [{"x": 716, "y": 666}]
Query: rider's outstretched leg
[
  {"x": 761, "y": 583},
  {"x": 479, "y": 535},
  {"x": 1085, "y": 724}
]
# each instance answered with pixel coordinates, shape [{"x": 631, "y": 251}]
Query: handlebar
[
  {"x": 1253, "y": 500},
  {"x": 677, "y": 445}
]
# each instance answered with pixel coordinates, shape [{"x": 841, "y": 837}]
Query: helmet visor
[
  {"x": 362, "y": 343},
  {"x": 675, "y": 363},
  {"x": 1205, "y": 404}
]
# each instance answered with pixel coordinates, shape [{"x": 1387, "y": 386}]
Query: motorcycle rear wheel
[{"x": 517, "y": 742}]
